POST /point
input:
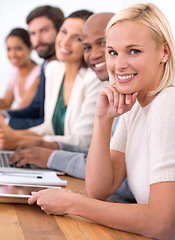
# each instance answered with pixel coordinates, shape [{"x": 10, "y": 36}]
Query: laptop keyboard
[{"x": 4, "y": 157}]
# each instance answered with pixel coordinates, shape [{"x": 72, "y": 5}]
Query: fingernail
[
  {"x": 128, "y": 101},
  {"x": 120, "y": 110},
  {"x": 33, "y": 193}
]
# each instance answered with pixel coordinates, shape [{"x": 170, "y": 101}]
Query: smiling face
[
  {"x": 134, "y": 59},
  {"x": 69, "y": 41},
  {"x": 17, "y": 51},
  {"x": 94, "y": 43}
]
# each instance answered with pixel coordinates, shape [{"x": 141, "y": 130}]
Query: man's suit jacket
[{"x": 33, "y": 114}]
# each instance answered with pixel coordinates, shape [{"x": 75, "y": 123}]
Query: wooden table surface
[{"x": 25, "y": 222}]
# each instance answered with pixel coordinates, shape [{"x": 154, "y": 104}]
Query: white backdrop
[{"x": 14, "y": 12}]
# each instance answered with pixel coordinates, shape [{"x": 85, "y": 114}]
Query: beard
[{"x": 48, "y": 52}]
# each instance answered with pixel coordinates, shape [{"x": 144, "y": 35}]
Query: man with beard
[{"x": 43, "y": 22}]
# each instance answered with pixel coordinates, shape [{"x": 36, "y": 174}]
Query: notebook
[
  {"x": 43, "y": 179},
  {"x": 5, "y": 167}
]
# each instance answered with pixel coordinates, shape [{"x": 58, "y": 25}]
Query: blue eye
[{"x": 134, "y": 51}]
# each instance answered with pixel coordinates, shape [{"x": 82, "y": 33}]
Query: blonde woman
[{"x": 140, "y": 60}]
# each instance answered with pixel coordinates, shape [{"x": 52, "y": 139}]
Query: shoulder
[
  {"x": 14, "y": 72},
  {"x": 13, "y": 78},
  {"x": 54, "y": 66},
  {"x": 36, "y": 71},
  {"x": 54, "y": 74},
  {"x": 87, "y": 73},
  {"x": 88, "y": 77},
  {"x": 164, "y": 100},
  {"x": 131, "y": 115},
  {"x": 167, "y": 93}
]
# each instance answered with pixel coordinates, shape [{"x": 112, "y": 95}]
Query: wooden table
[{"x": 24, "y": 222}]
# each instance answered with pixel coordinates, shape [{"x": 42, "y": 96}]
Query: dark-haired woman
[{"x": 24, "y": 77}]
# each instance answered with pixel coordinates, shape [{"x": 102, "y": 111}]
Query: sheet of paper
[{"x": 41, "y": 179}]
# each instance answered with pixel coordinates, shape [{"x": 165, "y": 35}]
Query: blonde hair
[{"x": 151, "y": 16}]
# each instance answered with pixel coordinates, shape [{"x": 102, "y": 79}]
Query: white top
[
  {"x": 79, "y": 118},
  {"x": 147, "y": 137}
]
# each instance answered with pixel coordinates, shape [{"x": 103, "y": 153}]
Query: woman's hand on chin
[{"x": 112, "y": 104}]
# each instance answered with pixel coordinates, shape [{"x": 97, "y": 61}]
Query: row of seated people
[
  {"x": 71, "y": 88},
  {"x": 72, "y": 124},
  {"x": 139, "y": 66}
]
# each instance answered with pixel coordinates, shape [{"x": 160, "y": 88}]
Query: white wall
[{"x": 14, "y": 12}]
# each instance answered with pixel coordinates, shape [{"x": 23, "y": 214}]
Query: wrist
[
  {"x": 75, "y": 204},
  {"x": 56, "y": 146},
  {"x": 104, "y": 121},
  {"x": 16, "y": 142}
]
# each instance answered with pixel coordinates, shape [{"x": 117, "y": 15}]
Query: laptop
[{"x": 28, "y": 168}]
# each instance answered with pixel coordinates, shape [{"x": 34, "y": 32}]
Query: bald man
[
  {"x": 70, "y": 158},
  {"x": 94, "y": 43}
]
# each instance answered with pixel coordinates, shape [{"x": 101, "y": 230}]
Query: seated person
[
  {"x": 70, "y": 158},
  {"x": 43, "y": 24},
  {"x": 24, "y": 77},
  {"x": 141, "y": 67},
  {"x": 71, "y": 93}
]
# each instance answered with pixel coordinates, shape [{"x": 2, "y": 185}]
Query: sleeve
[
  {"x": 24, "y": 123},
  {"x": 72, "y": 163},
  {"x": 29, "y": 112},
  {"x": 73, "y": 148},
  {"x": 27, "y": 117},
  {"x": 162, "y": 140}
]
